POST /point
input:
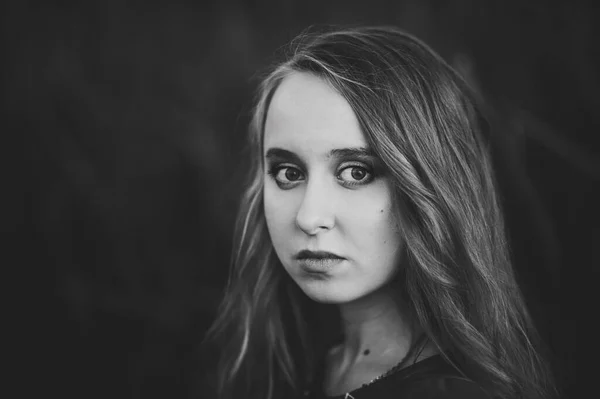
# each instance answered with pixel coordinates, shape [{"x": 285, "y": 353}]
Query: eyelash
[
  {"x": 370, "y": 175},
  {"x": 274, "y": 170}
]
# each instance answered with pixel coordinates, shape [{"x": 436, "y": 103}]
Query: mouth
[
  {"x": 319, "y": 262},
  {"x": 306, "y": 254}
]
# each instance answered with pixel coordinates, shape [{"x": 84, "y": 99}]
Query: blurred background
[{"x": 124, "y": 125}]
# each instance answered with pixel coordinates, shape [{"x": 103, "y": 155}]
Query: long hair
[{"x": 427, "y": 127}]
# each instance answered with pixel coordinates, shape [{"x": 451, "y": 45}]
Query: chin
[{"x": 326, "y": 293}]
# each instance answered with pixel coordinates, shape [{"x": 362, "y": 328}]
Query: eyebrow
[{"x": 358, "y": 152}]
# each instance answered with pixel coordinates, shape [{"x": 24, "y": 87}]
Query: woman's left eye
[{"x": 355, "y": 175}]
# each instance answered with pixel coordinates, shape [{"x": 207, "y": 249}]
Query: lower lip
[{"x": 319, "y": 266}]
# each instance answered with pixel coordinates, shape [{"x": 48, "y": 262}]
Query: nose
[{"x": 316, "y": 212}]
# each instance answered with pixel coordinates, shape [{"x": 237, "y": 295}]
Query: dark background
[{"x": 123, "y": 130}]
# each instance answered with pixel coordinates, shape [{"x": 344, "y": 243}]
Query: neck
[{"x": 375, "y": 326}]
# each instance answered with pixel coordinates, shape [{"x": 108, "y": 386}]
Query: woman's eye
[
  {"x": 355, "y": 175},
  {"x": 286, "y": 175},
  {"x": 290, "y": 174}
]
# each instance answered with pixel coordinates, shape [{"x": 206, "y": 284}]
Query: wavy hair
[{"x": 427, "y": 127}]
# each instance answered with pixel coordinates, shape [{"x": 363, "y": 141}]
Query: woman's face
[{"x": 328, "y": 208}]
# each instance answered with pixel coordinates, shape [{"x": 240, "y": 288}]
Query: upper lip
[{"x": 307, "y": 254}]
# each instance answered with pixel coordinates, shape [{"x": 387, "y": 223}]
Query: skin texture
[{"x": 320, "y": 210}]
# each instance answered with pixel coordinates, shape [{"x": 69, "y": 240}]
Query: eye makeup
[
  {"x": 354, "y": 174},
  {"x": 285, "y": 175},
  {"x": 354, "y": 166}
]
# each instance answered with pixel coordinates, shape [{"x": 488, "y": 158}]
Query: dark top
[{"x": 431, "y": 378}]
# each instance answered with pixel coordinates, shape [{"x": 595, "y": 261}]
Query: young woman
[{"x": 371, "y": 259}]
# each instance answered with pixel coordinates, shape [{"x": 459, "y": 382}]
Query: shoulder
[{"x": 437, "y": 379}]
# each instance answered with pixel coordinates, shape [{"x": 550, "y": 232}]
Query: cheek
[
  {"x": 279, "y": 211},
  {"x": 389, "y": 232},
  {"x": 384, "y": 247},
  {"x": 271, "y": 210},
  {"x": 373, "y": 209},
  {"x": 376, "y": 229},
  {"x": 383, "y": 234}
]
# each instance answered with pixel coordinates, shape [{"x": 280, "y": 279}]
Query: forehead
[{"x": 306, "y": 111}]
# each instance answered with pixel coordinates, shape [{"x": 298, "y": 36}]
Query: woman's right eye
[{"x": 286, "y": 176}]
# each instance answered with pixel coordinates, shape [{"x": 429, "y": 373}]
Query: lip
[
  {"x": 308, "y": 254},
  {"x": 318, "y": 262},
  {"x": 319, "y": 266}
]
